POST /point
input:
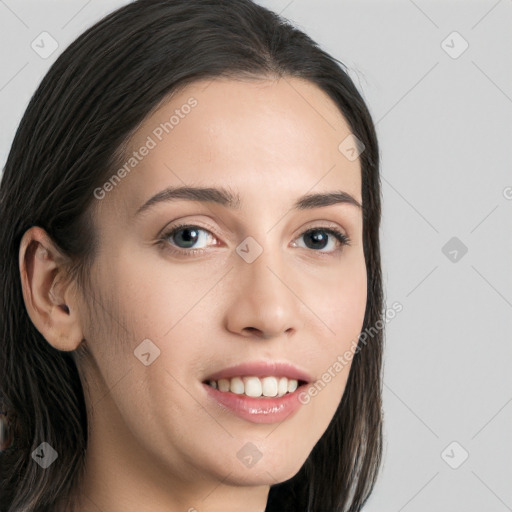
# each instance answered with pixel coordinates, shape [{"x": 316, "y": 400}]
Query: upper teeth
[{"x": 255, "y": 387}]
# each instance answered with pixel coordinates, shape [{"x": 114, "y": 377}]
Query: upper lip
[{"x": 262, "y": 369}]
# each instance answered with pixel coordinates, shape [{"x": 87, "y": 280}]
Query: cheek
[
  {"x": 341, "y": 299},
  {"x": 341, "y": 310},
  {"x": 156, "y": 313}
]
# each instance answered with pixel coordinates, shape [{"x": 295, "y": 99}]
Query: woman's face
[{"x": 244, "y": 284}]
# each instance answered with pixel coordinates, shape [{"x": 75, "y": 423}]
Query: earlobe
[{"x": 47, "y": 291}]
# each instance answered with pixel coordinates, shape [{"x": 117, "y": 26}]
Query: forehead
[{"x": 281, "y": 136}]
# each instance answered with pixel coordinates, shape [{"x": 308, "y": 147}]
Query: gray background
[{"x": 444, "y": 121}]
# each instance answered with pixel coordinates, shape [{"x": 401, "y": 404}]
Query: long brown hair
[{"x": 68, "y": 142}]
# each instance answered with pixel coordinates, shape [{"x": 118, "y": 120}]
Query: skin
[{"x": 154, "y": 441}]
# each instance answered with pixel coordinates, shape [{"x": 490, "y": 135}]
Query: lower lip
[{"x": 258, "y": 410}]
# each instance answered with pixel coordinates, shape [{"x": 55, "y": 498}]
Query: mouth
[
  {"x": 259, "y": 393},
  {"x": 257, "y": 387},
  {"x": 259, "y": 379}
]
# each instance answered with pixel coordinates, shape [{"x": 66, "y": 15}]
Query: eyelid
[{"x": 171, "y": 226}]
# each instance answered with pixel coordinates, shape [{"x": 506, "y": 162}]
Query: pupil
[
  {"x": 187, "y": 238},
  {"x": 317, "y": 236}
]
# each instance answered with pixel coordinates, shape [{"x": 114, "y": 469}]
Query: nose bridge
[
  {"x": 263, "y": 301},
  {"x": 266, "y": 266},
  {"x": 260, "y": 274}
]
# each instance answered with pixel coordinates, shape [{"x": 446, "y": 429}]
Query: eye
[
  {"x": 316, "y": 239},
  {"x": 185, "y": 236},
  {"x": 183, "y": 239}
]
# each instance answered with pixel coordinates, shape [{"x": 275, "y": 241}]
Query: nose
[{"x": 264, "y": 303}]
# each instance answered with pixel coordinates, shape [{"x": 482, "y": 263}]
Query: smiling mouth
[{"x": 256, "y": 387}]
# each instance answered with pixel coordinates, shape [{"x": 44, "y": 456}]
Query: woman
[{"x": 190, "y": 253}]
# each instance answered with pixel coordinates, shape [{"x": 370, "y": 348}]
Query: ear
[{"x": 50, "y": 297}]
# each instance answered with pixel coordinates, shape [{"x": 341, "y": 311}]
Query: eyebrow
[{"x": 227, "y": 199}]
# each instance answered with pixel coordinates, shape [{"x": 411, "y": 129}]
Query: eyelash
[{"x": 342, "y": 238}]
